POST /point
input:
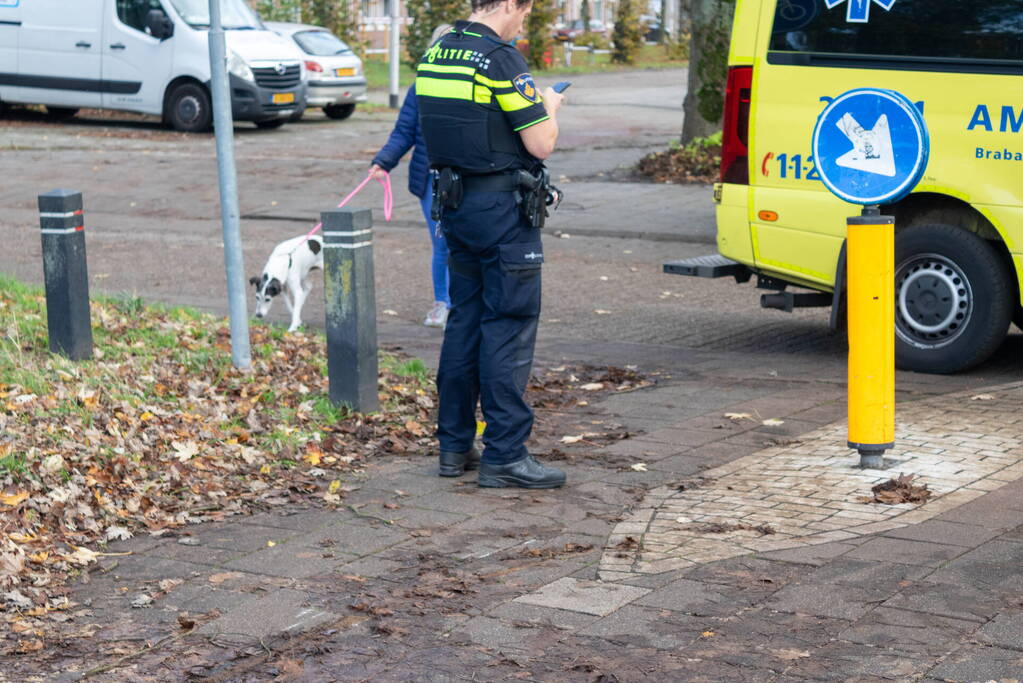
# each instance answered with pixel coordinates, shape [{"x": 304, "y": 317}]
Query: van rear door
[
  {"x": 136, "y": 66},
  {"x": 10, "y": 23},
  {"x": 59, "y": 53}
]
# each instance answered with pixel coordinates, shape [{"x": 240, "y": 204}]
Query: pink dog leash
[{"x": 388, "y": 202}]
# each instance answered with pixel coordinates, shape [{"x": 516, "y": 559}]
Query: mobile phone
[{"x": 561, "y": 86}]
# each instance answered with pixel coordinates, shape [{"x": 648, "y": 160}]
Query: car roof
[{"x": 288, "y": 28}]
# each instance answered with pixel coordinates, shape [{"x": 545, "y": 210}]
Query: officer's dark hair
[{"x": 478, "y": 5}]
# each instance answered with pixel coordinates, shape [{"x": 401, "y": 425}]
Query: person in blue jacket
[{"x": 407, "y": 134}]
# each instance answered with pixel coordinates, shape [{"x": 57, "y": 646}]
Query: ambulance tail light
[{"x": 735, "y": 136}]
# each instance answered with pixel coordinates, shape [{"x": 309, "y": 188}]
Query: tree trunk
[{"x": 711, "y": 25}]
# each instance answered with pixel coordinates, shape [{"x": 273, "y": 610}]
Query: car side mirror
[{"x": 159, "y": 24}]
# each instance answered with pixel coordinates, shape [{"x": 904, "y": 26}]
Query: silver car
[{"x": 337, "y": 81}]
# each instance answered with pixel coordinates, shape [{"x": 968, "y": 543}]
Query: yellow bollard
[{"x": 870, "y": 288}]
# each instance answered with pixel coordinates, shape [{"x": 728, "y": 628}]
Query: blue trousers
[
  {"x": 439, "y": 261},
  {"x": 487, "y": 356}
]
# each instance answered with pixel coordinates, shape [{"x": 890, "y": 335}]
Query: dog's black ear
[
  {"x": 314, "y": 246},
  {"x": 254, "y": 280}
]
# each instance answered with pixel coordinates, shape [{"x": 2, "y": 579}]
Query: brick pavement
[{"x": 939, "y": 598}]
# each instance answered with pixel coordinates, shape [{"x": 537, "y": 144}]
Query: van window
[
  {"x": 913, "y": 33},
  {"x": 133, "y": 12}
]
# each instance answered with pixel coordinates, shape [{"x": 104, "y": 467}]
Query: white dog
[{"x": 287, "y": 270}]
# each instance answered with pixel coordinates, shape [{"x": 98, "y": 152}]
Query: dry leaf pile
[
  {"x": 159, "y": 430},
  {"x": 898, "y": 491}
]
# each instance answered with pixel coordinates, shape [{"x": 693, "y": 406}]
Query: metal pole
[
  {"x": 870, "y": 290},
  {"x": 393, "y": 48},
  {"x": 223, "y": 122}
]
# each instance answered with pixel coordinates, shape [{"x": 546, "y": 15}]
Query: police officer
[{"x": 487, "y": 130}]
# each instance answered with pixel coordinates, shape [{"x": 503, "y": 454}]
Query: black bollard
[
  {"x": 350, "y": 296},
  {"x": 66, "y": 273}
]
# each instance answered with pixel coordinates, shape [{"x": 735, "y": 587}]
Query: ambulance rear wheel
[
  {"x": 189, "y": 108},
  {"x": 953, "y": 299}
]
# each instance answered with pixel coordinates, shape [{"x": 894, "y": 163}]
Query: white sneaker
[{"x": 438, "y": 315}]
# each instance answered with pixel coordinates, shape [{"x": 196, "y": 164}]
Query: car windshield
[
  {"x": 321, "y": 43},
  {"x": 234, "y": 14}
]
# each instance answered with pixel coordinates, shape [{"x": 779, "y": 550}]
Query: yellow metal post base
[{"x": 870, "y": 249}]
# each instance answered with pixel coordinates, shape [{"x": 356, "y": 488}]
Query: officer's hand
[
  {"x": 377, "y": 173},
  {"x": 552, "y": 100}
]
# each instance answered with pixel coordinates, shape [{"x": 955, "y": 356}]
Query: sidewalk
[{"x": 424, "y": 578}]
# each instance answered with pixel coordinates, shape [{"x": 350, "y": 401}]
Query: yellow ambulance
[{"x": 959, "y": 234}]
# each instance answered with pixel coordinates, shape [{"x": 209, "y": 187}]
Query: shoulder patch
[{"x": 526, "y": 87}]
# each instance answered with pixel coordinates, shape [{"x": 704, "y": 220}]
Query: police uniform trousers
[{"x": 487, "y": 356}]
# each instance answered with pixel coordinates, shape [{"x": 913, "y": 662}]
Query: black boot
[
  {"x": 526, "y": 473},
  {"x": 455, "y": 464}
]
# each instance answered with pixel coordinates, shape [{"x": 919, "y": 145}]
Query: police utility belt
[{"x": 535, "y": 190}]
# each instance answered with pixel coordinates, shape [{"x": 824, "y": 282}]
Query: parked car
[
  {"x": 337, "y": 81},
  {"x": 145, "y": 56},
  {"x": 574, "y": 29}
]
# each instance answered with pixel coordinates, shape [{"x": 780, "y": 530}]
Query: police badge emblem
[{"x": 525, "y": 86}]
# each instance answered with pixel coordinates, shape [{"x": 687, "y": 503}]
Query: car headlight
[{"x": 237, "y": 66}]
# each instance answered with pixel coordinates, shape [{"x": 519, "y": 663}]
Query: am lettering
[{"x": 1009, "y": 121}]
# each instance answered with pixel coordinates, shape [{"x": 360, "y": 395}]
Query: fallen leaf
[
  {"x": 13, "y": 499},
  {"x": 773, "y": 422},
  {"x": 601, "y": 311},
  {"x": 592, "y": 386},
  {"x": 571, "y": 439},
  {"x": 185, "y": 621},
  {"x": 118, "y": 533},
  {"x": 738, "y": 416},
  {"x": 388, "y": 311},
  {"x": 185, "y": 451},
  {"x": 167, "y": 585},
  {"x": 982, "y": 397},
  {"x": 220, "y": 578},
  {"x": 334, "y": 486},
  {"x": 142, "y": 600},
  {"x": 640, "y": 467},
  {"x": 789, "y": 655}
]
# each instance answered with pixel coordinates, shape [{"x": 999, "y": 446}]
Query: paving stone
[
  {"x": 645, "y": 627},
  {"x": 370, "y": 567},
  {"x": 815, "y": 555},
  {"x": 494, "y": 633},
  {"x": 461, "y": 503},
  {"x": 683, "y": 437},
  {"x": 243, "y": 537},
  {"x": 979, "y": 663},
  {"x": 145, "y": 568},
  {"x": 419, "y": 518},
  {"x": 880, "y": 578},
  {"x": 994, "y": 565},
  {"x": 990, "y": 515},
  {"x": 358, "y": 539},
  {"x": 845, "y": 661},
  {"x": 825, "y": 600},
  {"x": 1005, "y": 630},
  {"x": 643, "y": 449},
  {"x": 297, "y": 520},
  {"x": 940, "y": 531},
  {"x": 559, "y": 618},
  {"x": 906, "y": 631},
  {"x": 589, "y": 597},
  {"x": 692, "y": 597},
  {"x": 906, "y": 552},
  {"x": 684, "y": 465},
  {"x": 289, "y": 560},
  {"x": 196, "y": 554},
  {"x": 283, "y": 611},
  {"x": 201, "y": 597},
  {"x": 948, "y": 600}
]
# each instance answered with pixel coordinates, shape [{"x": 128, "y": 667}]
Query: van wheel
[
  {"x": 339, "y": 111},
  {"x": 271, "y": 123},
  {"x": 61, "y": 113},
  {"x": 189, "y": 109},
  {"x": 953, "y": 300}
]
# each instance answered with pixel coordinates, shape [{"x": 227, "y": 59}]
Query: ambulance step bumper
[{"x": 710, "y": 266}]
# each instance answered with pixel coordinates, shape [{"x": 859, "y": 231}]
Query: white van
[{"x": 148, "y": 56}]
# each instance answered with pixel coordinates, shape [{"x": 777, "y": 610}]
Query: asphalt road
[{"x": 153, "y": 230}]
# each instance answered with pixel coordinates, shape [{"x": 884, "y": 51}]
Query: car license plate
[
  {"x": 345, "y": 72},
  {"x": 283, "y": 98}
]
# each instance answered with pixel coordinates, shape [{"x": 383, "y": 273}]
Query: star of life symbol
[
  {"x": 872, "y": 149},
  {"x": 859, "y": 10}
]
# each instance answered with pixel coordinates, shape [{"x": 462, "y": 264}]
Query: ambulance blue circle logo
[{"x": 871, "y": 146}]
